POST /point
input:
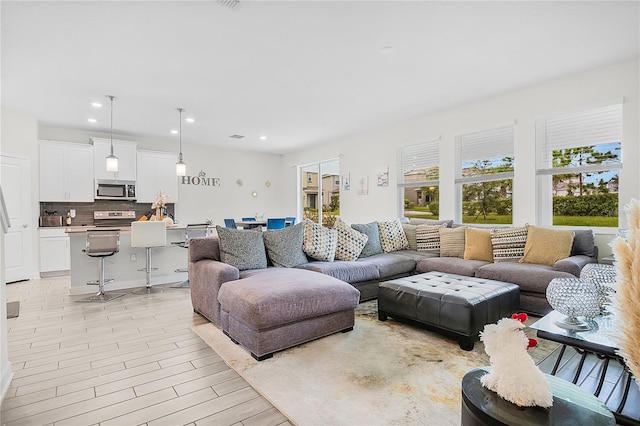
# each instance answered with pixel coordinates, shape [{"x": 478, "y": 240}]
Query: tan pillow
[
  {"x": 477, "y": 244},
  {"x": 452, "y": 242},
  {"x": 545, "y": 246},
  {"x": 410, "y": 233}
]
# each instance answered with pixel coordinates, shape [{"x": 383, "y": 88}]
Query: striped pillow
[
  {"x": 452, "y": 242},
  {"x": 508, "y": 244},
  {"x": 428, "y": 238}
]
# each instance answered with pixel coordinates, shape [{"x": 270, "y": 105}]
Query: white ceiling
[{"x": 299, "y": 72}]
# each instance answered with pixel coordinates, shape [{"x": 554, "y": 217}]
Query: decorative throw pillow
[
  {"x": 373, "y": 245},
  {"x": 284, "y": 246},
  {"x": 508, "y": 244},
  {"x": 477, "y": 244},
  {"x": 545, "y": 246},
  {"x": 319, "y": 242},
  {"x": 410, "y": 233},
  {"x": 452, "y": 242},
  {"x": 428, "y": 238},
  {"x": 242, "y": 249},
  {"x": 392, "y": 236},
  {"x": 350, "y": 241}
]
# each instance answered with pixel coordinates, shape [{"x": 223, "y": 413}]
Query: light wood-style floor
[{"x": 130, "y": 361}]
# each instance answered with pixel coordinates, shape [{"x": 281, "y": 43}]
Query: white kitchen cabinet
[
  {"x": 66, "y": 172},
  {"x": 55, "y": 255},
  {"x": 126, "y": 153},
  {"x": 156, "y": 173}
]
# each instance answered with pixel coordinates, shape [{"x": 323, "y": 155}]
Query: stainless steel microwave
[{"x": 115, "y": 190}]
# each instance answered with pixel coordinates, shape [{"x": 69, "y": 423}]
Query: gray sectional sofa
[{"x": 209, "y": 276}]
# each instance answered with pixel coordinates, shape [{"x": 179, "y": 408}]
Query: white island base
[{"x": 126, "y": 267}]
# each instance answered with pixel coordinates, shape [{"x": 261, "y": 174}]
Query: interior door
[{"x": 15, "y": 177}]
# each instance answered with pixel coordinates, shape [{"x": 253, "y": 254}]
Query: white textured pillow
[
  {"x": 350, "y": 241},
  {"x": 319, "y": 242},
  {"x": 392, "y": 236}
]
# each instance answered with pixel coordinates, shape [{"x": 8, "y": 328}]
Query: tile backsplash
[{"x": 84, "y": 211}]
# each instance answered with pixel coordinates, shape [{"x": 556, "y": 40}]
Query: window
[
  {"x": 319, "y": 195},
  {"x": 579, "y": 157},
  {"x": 420, "y": 165},
  {"x": 484, "y": 179}
]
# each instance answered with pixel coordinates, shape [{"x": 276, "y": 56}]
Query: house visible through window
[
  {"x": 420, "y": 179},
  {"x": 485, "y": 161},
  {"x": 579, "y": 158},
  {"x": 319, "y": 196}
]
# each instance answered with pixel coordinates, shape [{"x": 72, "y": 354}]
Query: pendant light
[
  {"x": 181, "y": 167},
  {"x": 112, "y": 160}
]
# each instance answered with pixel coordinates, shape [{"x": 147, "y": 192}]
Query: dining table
[{"x": 248, "y": 223}]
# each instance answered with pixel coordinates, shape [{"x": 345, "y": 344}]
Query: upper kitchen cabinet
[
  {"x": 66, "y": 172},
  {"x": 157, "y": 173},
  {"x": 126, "y": 153}
]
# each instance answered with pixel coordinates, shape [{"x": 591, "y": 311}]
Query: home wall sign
[{"x": 200, "y": 180}]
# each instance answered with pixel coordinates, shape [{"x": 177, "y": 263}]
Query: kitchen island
[{"x": 127, "y": 266}]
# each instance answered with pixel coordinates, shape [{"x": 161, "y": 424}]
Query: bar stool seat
[
  {"x": 194, "y": 230},
  {"x": 102, "y": 243},
  {"x": 148, "y": 235}
]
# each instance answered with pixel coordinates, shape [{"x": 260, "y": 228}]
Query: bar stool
[
  {"x": 148, "y": 235},
  {"x": 195, "y": 230},
  {"x": 102, "y": 243}
]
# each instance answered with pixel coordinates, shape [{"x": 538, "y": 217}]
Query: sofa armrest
[
  {"x": 573, "y": 264},
  {"x": 206, "y": 276}
]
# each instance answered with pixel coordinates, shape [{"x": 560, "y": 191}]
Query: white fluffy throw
[{"x": 514, "y": 376}]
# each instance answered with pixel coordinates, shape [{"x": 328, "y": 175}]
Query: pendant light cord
[{"x": 111, "y": 97}]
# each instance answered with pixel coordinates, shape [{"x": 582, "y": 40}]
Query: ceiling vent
[
  {"x": 231, "y": 4},
  {"x": 236, "y": 136}
]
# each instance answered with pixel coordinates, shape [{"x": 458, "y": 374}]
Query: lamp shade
[{"x": 112, "y": 163}]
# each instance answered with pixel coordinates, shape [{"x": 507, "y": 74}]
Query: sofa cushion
[
  {"x": 450, "y": 265},
  {"x": 410, "y": 233},
  {"x": 391, "y": 264},
  {"x": 428, "y": 238},
  {"x": 242, "y": 249},
  {"x": 351, "y": 272},
  {"x": 284, "y": 246},
  {"x": 546, "y": 246},
  {"x": 350, "y": 241},
  {"x": 452, "y": 242},
  {"x": 583, "y": 243},
  {"x": 432, "y": 222},
  {"x": 530, "y": 277},
  {"x": 319, "y": 242},
  {"x": 373, "y": 245},
  {"x": 477, "y": 244},
  {"x": 508, "y": 244},
  {"x": 392, "y": 237}
]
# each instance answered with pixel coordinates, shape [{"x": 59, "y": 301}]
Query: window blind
[
  {"x": 590, "y": 127},
  {"x": 420, "y": 163},
  {"x": 491, "y": 144}
]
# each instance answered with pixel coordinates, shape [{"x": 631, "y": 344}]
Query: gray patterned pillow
[
  {"x": 284, "y": 246},
  {"x": 373, "y": 243},
  {"x": 242, "y": 249},
  {"x": 508, "y": 244},
  {"x": 392, "y": 237},
  {"x": 428, "y": 238},
  {"x": 350, "y": 241},
  {"x": 319, "y": 242}
]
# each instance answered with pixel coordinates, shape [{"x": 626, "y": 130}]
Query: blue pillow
[{"x": 373, "y": 245}]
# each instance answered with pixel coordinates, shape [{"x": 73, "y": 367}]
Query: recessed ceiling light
[
  {"x": 386, "y": 50},
  {"x": 96, "y": 104},
  {"x": 263, "y": 138},
  {"x": 189, "y": 119},
  {"x": 92, "y": 120},
  {"x": 174, "y": 132}
]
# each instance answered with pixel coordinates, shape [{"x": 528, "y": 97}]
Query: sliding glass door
[{"x": 319, "y": 194}]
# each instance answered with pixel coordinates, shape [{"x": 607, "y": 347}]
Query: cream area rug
[{"x": 381, "y": 373}]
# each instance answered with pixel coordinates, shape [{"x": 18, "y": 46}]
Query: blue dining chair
[
  {"x": 230, "y": 223},
  {"x": 275, "y": 223},
  {"x": 249, "y": 219},
  {"x": 290, "y": 221}
]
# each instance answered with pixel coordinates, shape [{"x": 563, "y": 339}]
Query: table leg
[{"x": 557, "y": 364}]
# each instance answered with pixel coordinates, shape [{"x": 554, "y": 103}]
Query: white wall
[{"x": 364, "y": 153}]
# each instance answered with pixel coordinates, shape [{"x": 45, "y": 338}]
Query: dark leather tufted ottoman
[{"x": 449, "y": 303}]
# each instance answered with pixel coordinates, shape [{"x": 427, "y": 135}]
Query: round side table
[{"x": 571, "y": 406}]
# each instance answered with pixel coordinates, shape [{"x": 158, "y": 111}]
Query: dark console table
[{"x": 571, "y": 406}]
